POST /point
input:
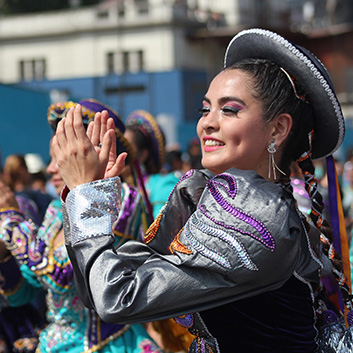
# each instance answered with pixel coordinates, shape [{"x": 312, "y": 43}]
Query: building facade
[
  {"x": 136, "y": 54},
  {"x": 157, "y": 55}
]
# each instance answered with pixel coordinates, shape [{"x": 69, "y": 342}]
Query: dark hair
[
  {"x": 13, "y": 166},
  {"x": 273, "y": 88},
  {"x": 143, "y": 141}
]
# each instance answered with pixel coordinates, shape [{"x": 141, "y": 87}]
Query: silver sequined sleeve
[{"x": 94, "y": 208}]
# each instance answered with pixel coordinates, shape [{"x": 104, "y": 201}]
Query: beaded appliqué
[
  {"x": 83, "y": 212},
  {"x": 187, "y": 175},
  {"x": 226, "y": 237},
  {"x": 198, "y": 223},
  {"x": 266, "y": 237},
  {"x": 177, "y": 245}
]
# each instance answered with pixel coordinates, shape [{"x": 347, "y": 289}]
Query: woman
[
  {"x": 45, "y": 263},
  {"x": 147, "y": 140},
  {"x": 17, "y": 177},
  {"x": 230, "y": 255}
]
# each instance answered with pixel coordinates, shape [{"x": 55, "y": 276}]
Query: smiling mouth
[{"x": 213, "y": 143}]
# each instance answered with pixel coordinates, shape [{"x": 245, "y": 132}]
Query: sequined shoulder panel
[{"x": 230, "y": 224}]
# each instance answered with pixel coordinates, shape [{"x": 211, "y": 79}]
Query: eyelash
[
  {"x": 203, "y": 110},
  {"x": 225, "y": 110},
  {"x": 230, "y": 110}
]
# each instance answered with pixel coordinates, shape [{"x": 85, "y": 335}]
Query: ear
[{"x": 281, "y": 127}]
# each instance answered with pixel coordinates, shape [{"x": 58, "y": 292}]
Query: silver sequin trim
[
  {"x": 204, "y": 250},
  {"x": 93, "y": 208}
]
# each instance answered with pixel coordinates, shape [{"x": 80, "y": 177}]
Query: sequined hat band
[{"x": 57, "y": 111}]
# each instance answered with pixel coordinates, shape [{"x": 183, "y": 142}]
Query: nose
[
  {"x": 52, "y": 168},
  {"x": 209, "y": 121}
]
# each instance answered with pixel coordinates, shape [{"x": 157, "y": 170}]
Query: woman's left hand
[
  {"x": 96, "y": 132},
  {"x": 77, "y": 158}
]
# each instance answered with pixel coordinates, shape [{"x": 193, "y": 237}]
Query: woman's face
[
  {"x": 141, "y": 155},
  {"x": 53, "y": 170},
  {"x": 231, "y": 130}
]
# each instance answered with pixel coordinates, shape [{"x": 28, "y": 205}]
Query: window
[
  {"x": 103, "y": 14},
  {"x": 126, "y": 61},
  {"x": 141, "y": 6},
  {"x": 121, "y": 9},
  {"x": 110, "y": 63},
  {"x": 136, "y": 61},
  {"x": 33, "y": 69}
]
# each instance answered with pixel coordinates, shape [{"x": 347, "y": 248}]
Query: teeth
[{"x": 213, "y": 143}]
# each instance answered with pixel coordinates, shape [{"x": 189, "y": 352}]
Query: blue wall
[
  {"x": 177, "y": 93},
  {"x": 23, "y": 122}
]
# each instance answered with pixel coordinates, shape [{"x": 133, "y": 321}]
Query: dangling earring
[{"x": 271, "y": 148}]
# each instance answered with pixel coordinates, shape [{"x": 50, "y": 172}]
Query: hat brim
[
  {"x": 307, "y": 70},
  {"x": 97, "y": 106}
]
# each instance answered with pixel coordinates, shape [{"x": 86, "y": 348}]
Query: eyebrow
[{"x": 226, "y": 99}]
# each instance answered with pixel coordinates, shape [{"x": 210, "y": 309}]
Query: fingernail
[{"x": 78, "y": 106}]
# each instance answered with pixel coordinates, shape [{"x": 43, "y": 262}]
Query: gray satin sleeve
[{"x": 244, "y": 238}]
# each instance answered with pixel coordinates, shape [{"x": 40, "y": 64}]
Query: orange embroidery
[
  {"x": 153, "y": 229},
  {"x": 177, "y": 245}
]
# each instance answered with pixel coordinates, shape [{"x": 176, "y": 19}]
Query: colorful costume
[
  {"x": 71, "y": 326},
  {"x": 224, "y": 239}
]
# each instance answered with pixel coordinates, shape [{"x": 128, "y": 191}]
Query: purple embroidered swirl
[
  {"x": 229, "y": 226},
  {"x": 231, "y": 190}
]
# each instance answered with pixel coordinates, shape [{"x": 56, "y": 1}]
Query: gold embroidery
[
  {"x": 153, "y": 229},
  {"x": 103, "y": 343},
  {"x": 177, "y": 245}
]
